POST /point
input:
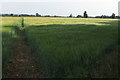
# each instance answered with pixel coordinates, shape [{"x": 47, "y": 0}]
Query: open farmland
[
  {"x": 68, "y": 47},
  {"x": 8, "y": 33}
]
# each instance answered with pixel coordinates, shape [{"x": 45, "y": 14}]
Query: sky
[{"x": 60, "y": 7}]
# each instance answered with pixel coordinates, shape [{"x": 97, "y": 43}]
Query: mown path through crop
[{"x": 22, "y": 63}]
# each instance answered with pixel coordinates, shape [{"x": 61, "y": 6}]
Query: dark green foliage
[
  {"x": 113, "y": 15},
  {"x": 11, "y": 14},
  {"x": 78, "y": 16},
  {"x": 119, "y": 32},
  {"x": 7, "y": 36},
  {"x": 6, "y": 47},
  {"x": 55, "y": 16},
  {"x": 47, "y": 15},
  {"x": 22, "y": 22},
  {"x": 105, "y": 16},
  {"x": 71, "y": 15},
  {"x": 102, "y": 16},
  {"x": 37, "y": 14},
  {"x": 85, "y": 15}
]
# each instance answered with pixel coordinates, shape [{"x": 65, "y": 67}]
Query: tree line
[{"x": 85, "y": 15}]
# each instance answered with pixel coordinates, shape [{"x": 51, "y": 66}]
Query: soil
[{"x": 23, "y": 61}]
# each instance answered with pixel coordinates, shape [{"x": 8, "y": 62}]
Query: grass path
[{"x": 22, "y": 63}]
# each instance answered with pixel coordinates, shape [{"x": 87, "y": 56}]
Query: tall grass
[
  {"x": 6, "y": 44},
  {"x": 72, "y": 50},
  {"x": 66, "y": 47},
  {"x": 8, "y": 33}
]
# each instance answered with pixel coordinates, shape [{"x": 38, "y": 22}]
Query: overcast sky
[{"x": 60, "y": 7}]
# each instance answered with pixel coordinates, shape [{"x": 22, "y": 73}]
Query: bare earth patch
[{"x": 22, "y": 63}]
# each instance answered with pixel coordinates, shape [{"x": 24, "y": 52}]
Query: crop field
[
  {"x": 65, "y": 47},
  {"x": 8, "y": 33}
]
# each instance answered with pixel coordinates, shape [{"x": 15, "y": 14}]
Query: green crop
[
  {"x": 65, "y": 47},
  {"x": 8, "y": 33},
  {"x": 69, "y": 47}
]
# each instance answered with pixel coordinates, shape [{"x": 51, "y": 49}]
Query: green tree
[
  {"x": 85, "y": 15},
  {"x": 37, "y": 14},
  {"x": 78, "y": 16},
  {"x": 113, "y": 15},
  {"x": 70, "y": 15},
  {"x": 11, "y": 14}
]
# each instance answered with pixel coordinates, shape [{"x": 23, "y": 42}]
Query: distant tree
[
  {"x": 98, "y": 17},
  {"x": 55, "y": 16},
  {"x": 37, "y": 14},
  {"x": 70, "y": 15},
  {"x": 19, "y": 15},
  {"x": 11, "y": 14},
  {"x": 118, "y": 17},
  {"x": 105, "y": 16},
  {"x": 47, "y": 15},
  {"x": 113, "y": 15},
  {"x": 78, "y": 16},
  {"x": 102, "y": 16},
  {"x": 85, "y": 15}
]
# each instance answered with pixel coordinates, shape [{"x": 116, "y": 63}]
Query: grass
[
  {"x": 8, "y": 33},
  {"x": 67, "y": 47},
  {"x": 71, "y": 47},
  {"x": 49, "y": 20},
  {"x": 6, "y": 44}
]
